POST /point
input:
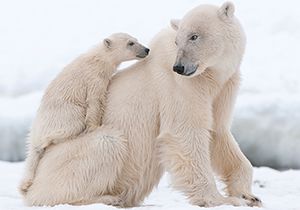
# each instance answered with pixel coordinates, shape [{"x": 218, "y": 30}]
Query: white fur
[
  {"x": 173, "y": 122},
  {"x": 74, "y": 101}
]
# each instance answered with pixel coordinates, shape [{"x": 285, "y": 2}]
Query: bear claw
[{"x": 252, "y": 200}]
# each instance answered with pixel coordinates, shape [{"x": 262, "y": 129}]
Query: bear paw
[
  {"x": 212, "y": 202},
  {"x": 252, "y": 200},
  {"x": 24, "y": 186}
]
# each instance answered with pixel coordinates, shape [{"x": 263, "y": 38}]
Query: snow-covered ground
[
  {"x": 39, "y": 37},
  {"x": 278, "y": 191}
]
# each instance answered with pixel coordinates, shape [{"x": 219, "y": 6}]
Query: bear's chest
[{"x": 184, "y": 107}]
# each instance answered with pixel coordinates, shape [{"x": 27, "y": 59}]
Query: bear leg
[{"x": 190, "y": 170}]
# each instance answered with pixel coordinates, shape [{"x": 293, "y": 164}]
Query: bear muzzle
[
  {"x": 185, "y": 70},
  {"x": 143, "y": 53}
]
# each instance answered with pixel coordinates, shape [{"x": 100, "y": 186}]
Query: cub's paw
[{"x": 24, "y": 186}]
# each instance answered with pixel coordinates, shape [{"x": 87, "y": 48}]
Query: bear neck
[
  {"x": 223, "y": 71},
  {"x": 109, "y": 56},
  {"x": 99, "y": 59}
]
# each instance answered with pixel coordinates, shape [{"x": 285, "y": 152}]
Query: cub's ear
[
  {"x": 175, "y": 24},
  {"x": 226, "y": 11},
  {"x": 107, "y": 42}
]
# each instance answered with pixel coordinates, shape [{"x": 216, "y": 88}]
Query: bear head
[{"x": 208, "y": 37}]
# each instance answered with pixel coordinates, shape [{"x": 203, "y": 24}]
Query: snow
[
  {"x": 14, "y": 124},
  {"x": 38, "y": 38},
  {"x": 278, "y": 191},
  {"x": 267, "y": 127}
]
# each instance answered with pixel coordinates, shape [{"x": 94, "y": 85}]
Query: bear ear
[
  {"x": 107, "y": 42},
  {"x": 226, "y": 10},
  {"x": 175, "y": 23}
]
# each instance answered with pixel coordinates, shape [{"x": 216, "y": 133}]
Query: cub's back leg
[
  {"x": 32, "y": 162},
  {"x": 79, "y": 171},
  {"x": 35, "y": 153}
]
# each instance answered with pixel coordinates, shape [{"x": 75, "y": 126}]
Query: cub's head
[
  {"x": 124, "y": 47},
  {"x": 206, "y": 37}
]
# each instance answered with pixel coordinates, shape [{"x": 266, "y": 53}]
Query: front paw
[
  {"x": 252, "y": 200},
  {"x": 213, "y": 201},
  {"x": 235, "y": 201}
]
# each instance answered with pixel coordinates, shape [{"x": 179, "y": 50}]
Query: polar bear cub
[{"x": 74, "y": 101}]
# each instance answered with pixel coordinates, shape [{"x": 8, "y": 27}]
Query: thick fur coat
[
  {"x": 74, "y": 102},
  {"x": 157, "y": 120}
]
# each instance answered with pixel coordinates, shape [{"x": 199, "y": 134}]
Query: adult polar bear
[{"x": 157, "y": 119}]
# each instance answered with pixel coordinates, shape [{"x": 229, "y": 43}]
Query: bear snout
[
  {"x": 147, "y": 50},
  {"x": 144, "y": 52},
  {"x": 178, "y": 68}
]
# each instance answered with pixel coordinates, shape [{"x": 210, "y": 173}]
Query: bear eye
[
  {"x": 194, "y": 37},
  {"x": 130, "y": 43}
]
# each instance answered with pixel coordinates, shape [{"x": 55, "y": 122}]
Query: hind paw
[{"x": 24, "y": 186}]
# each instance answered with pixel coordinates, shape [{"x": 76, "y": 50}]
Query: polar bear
[
  {"x": 74, "y": 100},
  {"x": 174, "y": 115}
]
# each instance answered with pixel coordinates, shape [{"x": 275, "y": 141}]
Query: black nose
[
  {"x": 179, "y": 69},
  {"x": 147, "y": 50}
]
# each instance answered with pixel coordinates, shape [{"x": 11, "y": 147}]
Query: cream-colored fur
[
  {"x": 75, "y": 99},
  {"x": 170, "y": 122}
]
